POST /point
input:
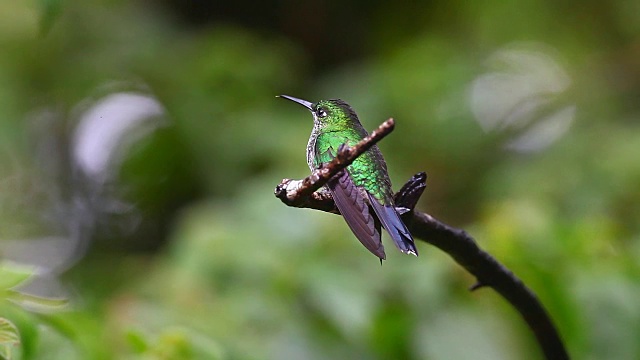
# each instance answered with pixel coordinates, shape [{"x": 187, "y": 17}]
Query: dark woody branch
[
  {"x": 487, "y": 270},
  {"x": 455, "y": 242}
]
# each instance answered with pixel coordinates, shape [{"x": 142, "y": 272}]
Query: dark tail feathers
[{"x": 395, "y": 227}]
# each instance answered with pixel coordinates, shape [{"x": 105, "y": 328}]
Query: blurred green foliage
[{"x": 204, "y": 263}]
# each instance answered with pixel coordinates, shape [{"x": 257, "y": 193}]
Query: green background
[{"x": 525, "y": 115}]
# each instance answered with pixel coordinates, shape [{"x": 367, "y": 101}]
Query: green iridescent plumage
[
  {"x": 368, "y": 170},
  {"x": 363, "y": 192}
]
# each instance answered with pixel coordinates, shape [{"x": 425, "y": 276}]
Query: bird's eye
[{"x": 321, "y": 113}]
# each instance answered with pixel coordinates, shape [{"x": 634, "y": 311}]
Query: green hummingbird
[{"x": 362, "y": 192}]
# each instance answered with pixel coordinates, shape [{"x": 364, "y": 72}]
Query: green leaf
[
  {"x": 12, "y": 275},
  {"x": 36, "y": 303},
  {"x": 173, "y": 344},
  {"x": 27, "y": 326},
  {"x": 137, "y": 340},
  {"x": 9, "y": 337},
  {"x": 50, "y": 11}
]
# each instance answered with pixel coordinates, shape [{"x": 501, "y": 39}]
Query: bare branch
[
  {"x": 490, "y": 273},
  {"x": 455, "y": 242},
  {"x": 288, "y": 192},
  {"x": 407, "y": 198}
]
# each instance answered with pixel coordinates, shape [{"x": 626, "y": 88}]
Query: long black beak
[{"x": 304, "y": 103}]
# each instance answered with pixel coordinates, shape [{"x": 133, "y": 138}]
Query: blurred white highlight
[
  {"x": 516, "y": 97},
  {"x": 108, "y": 127},
  {"x": 105, "y": 131}
]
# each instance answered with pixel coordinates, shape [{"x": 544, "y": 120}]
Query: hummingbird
[{"x": 362, "y": 192}]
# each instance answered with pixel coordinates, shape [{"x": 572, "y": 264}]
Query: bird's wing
[
  {"x": 356, "y": 212},
  {"x": 394, "y": 226}
]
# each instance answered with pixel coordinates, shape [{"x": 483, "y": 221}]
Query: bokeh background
[{"x": 140, "y": 143}]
